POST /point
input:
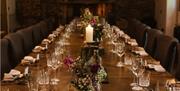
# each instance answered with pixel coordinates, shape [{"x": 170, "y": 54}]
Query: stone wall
[
  {"x": 30, "y": 11},
  {"x": 140, "y": 9}
]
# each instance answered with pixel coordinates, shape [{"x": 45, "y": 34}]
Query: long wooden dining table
[{"x": 119, "y": 78}]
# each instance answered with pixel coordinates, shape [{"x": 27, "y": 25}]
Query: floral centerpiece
[
  {"x": 87, "y": 74},
  {"x": 88, "y": 18}
]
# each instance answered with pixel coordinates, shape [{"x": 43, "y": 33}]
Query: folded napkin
[
  {"x": 51, "y": 36},
  {"x": 121, "y": 33},
  {"x": 28, "y": 59},
  {"x": 61, "y": 26},
  {"x": 58, "y": 29},
  {"x": 116, "y": 29},
  {"x": 12, "y": 75},
  {"x": 38, "y": 49},
  {"x": 156, "y": 67},
  {"x": 8, "y": 77},
  {"x": 14, "y": 72},
  {"x": 151, "y": 66},
  {"x": 125, "y": 36},
  {"x": 140, "y": 51},
  {"x": 56, "y": 33},
  {"x": 159, "y": 68},
  {"x": 46, "y": 41},
  {"x": 132, "y": 42}
]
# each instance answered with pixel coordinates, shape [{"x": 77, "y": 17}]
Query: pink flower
[{"x": 68, "y": 61}]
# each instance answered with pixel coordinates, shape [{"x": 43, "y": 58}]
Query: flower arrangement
[
  {"x": 68, "y": 61},
  {"x": 83, "y": 83},
  {"x": 88, "y": 18},
  {"x": 88, "y": 74},
  {"x": 101, "y": 75}
]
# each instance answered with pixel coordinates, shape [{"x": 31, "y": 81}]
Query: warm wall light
[{"x": 101, "y": 9}]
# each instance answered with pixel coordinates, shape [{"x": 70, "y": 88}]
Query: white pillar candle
[{"x": 89, "y": 33}]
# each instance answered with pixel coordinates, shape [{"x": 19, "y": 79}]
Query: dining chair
[
  {"x": 4, "y": 60},
  {"x": 177, "y": 67},
  {"x": 27, "y": 36},
  {"x": 140, "y": 34},
  {"x": 44, "y": 28},
  {"x": 132, "y": 24},
  {"x": 16, "y": 51},
  {"x": 150, "y": 40},
  {"x": 51, "y": 24},
  {"x": 37, "y": 35},
  {"x": 165, "y": 50}
]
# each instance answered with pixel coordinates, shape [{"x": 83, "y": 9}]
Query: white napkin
[
  {"x": 58, "y": 29},
  {"x": 51, "y": 36},
  {"x": 125, "y": 36},
  {"x": 121, "y": 33},
  {"x": 56, "y": 33},
  {"x": 156, "y": 67},
  {"x": 61, "y": 26},
  {"x": 132, "y": 42},
  {"x": 159, "y": 68},
  {"x": 46, "y": 41},
  {"x": 38, "y": 49},
  {"x": 28, "y": 59},
  {"x": 151, "y": 66},
  {"x": 140, "y": 48},
  {"x": 141, "y": 51},
  {"x": 8, "y": 77},
  {"x": 12, "y": 75},
  {"x": 14, "y": 72}
]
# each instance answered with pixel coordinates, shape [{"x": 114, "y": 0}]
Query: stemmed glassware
[
  {"x": 55, "y": 66},
  {"x": 120, "y": 51},
  {"x": 137, "y": 69}
]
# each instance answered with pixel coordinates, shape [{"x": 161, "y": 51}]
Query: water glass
[
  {"x": 33, "y": 86},
  {"x": 144, "y": 79},
  {"x": 128, "y": 59},
  {"x": 43, "y": 77}
]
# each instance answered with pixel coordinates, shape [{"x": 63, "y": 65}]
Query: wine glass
[
  {"x": 120, "y": 52},
  {"x": 55, "y": 65},
  {"x": 137, "y": 69},
  {"x": 144, "y": 79},
  {"x": 49, "y": 60}
]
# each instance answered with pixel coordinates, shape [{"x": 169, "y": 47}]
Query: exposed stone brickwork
[{"x": 30, "y": 11}]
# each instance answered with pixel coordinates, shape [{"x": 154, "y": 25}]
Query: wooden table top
[{"x": 119, "y": 77}]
